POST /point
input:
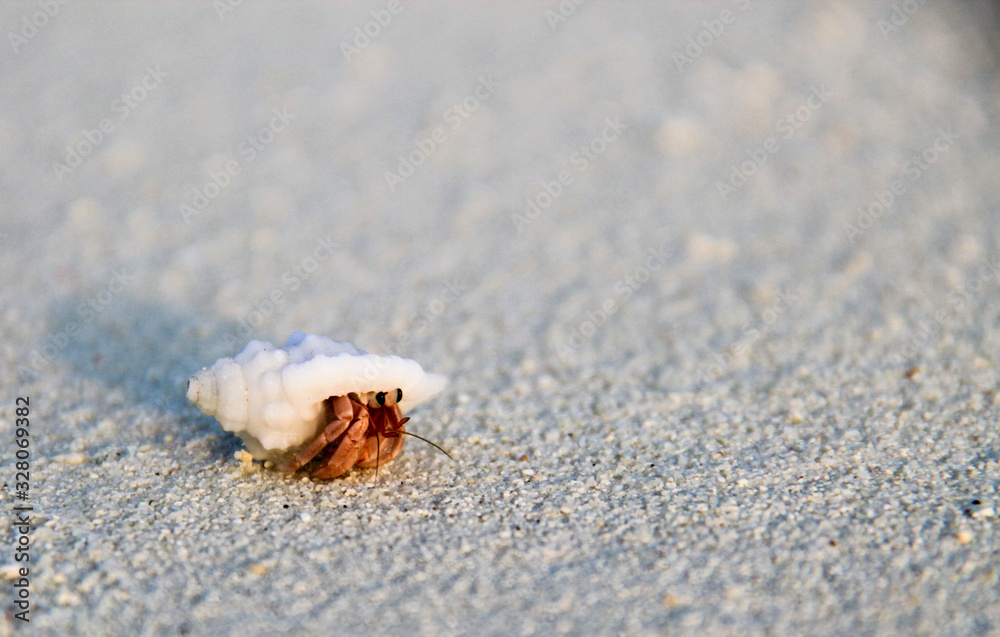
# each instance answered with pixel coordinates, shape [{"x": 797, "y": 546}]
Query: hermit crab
[{"x": 315, "y": 403}]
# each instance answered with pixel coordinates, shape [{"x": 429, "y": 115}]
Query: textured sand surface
[{"x": 715, "y": 285}]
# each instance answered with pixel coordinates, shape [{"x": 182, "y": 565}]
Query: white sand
[{"x": 673, "y": 411}]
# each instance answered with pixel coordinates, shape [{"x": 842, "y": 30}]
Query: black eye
[
  {"x": 399, "y": 395},
  {"x": 380, "y": 398}
]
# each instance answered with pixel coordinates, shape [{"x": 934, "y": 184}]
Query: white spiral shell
[{"x": 272, "y": 397}]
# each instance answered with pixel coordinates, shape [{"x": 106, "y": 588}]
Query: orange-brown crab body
[
  {"x": 359, "y": 433},
  {"x": 314, "y": 403}
]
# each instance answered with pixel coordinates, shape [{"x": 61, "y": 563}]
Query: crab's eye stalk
[
  {"x": 380, "y": 398},
  {"x": 399, "y": 395},
  {"x": 392, "y": 397}
]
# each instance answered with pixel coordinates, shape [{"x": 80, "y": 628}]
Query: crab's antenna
[{"x": 428, "y": 442}]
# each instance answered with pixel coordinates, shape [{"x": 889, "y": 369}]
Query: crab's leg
[
  {"x": 373, "y": 439},
  {"x": 387, "y": 421},
  {"x": 390, "y": 448},
  {"x": 387, "y": 442},
  {"x": 348, "y": 450},
  {"x": 396, "y": 421},
  {"x": 339, "y": 413}
]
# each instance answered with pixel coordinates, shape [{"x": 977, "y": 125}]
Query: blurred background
[{"x": 658, "y": 225}]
